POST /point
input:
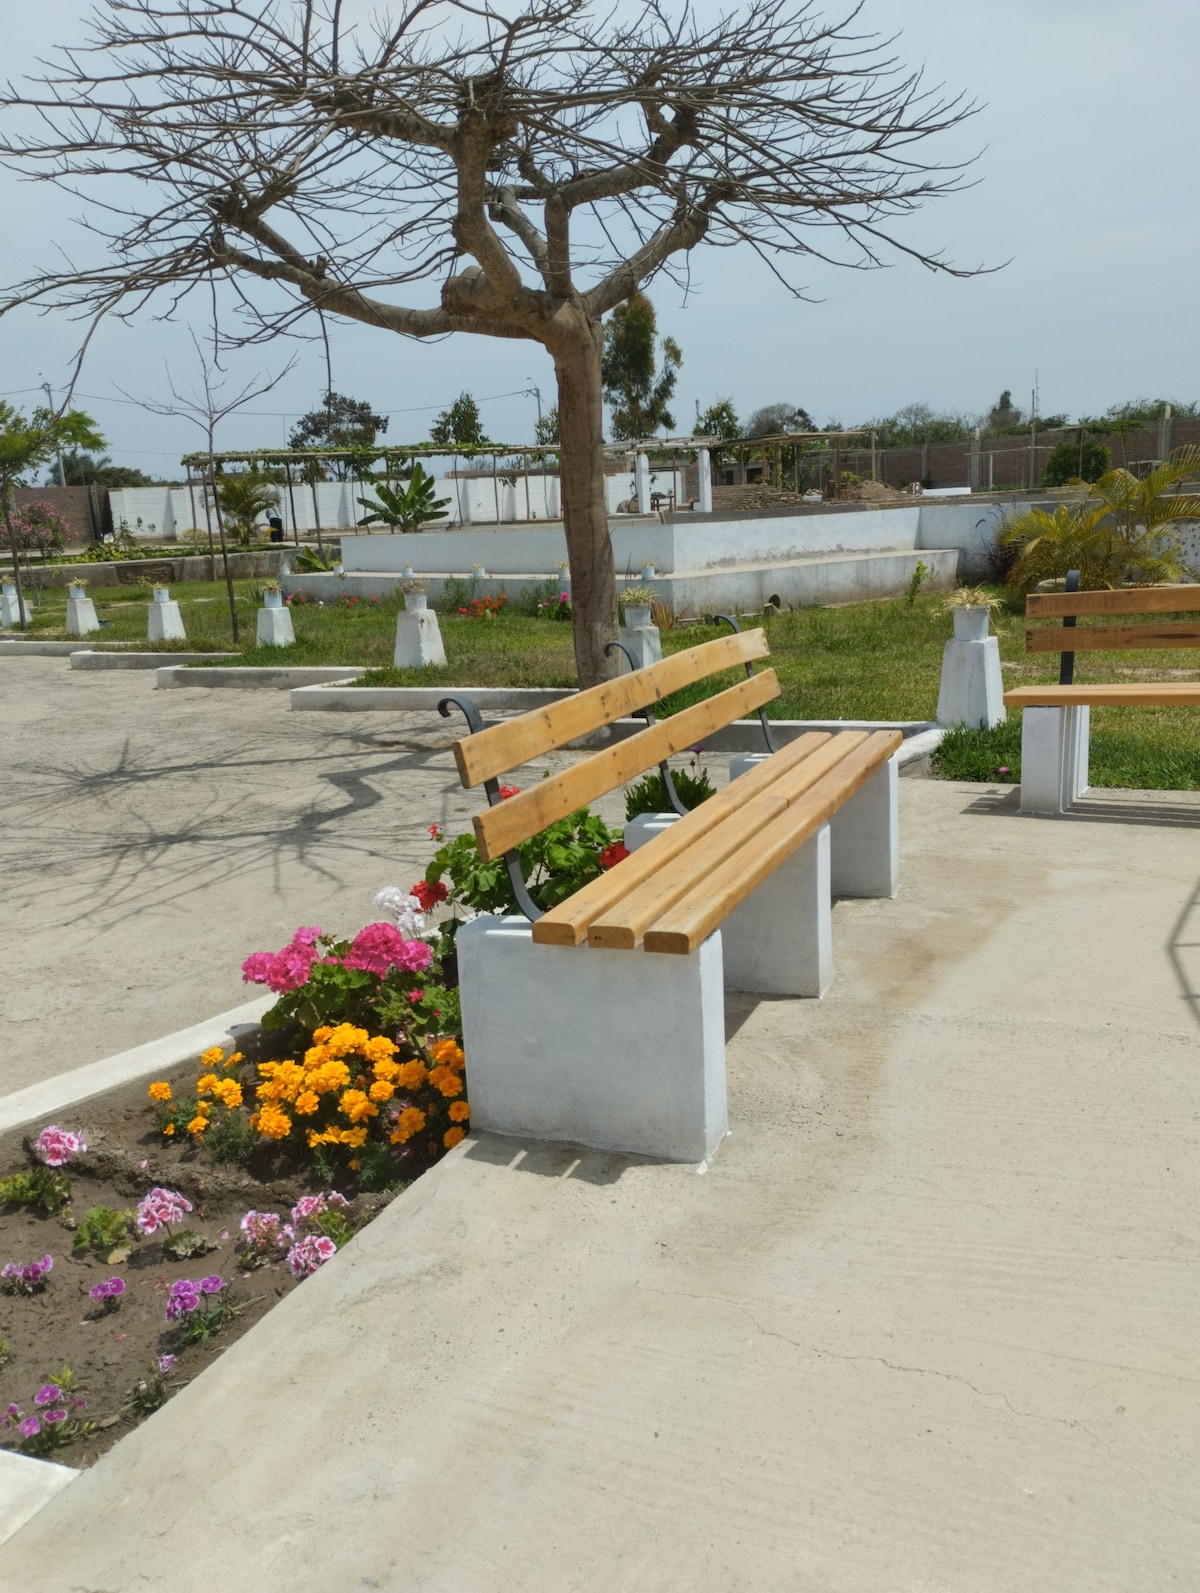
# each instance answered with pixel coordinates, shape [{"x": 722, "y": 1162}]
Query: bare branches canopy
[{"x": 460, "y": 166}]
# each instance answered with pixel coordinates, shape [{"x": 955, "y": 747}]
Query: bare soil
[{"x": 108, "y": 1352}]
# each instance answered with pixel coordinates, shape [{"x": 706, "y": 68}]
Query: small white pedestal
[
  {"x": 81, "y": 616},
  {"x": 972, "y": 691},
  {"x": 864, "y": 832},
  {"x": 645, "y": 646},
  {"x": 617, "y": 1050},
  {"x": 274, "y": 628},
  {"x": 418, "y": 640},
  {"x": 1054, "y": 757},
  {"x": 11, "y": 607},
  {"x": 779, "y": 942},
  {"x": 164, "y": 622}
]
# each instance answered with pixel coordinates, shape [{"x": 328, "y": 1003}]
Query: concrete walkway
[{"x": 928, "y": 1322}]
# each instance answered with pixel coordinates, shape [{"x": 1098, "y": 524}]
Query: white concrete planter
[
  {"x": 418, "y": 637},
  {"x": 11, "y": 609},
  {"x": 164, "y": 622},
  {"x": 273, "y": 627},
  {"x": 407, "y": 572},
  {"x": 272, "y": 599},
  {"x": 637, "y": 616},
  {"x": 648, "y": 572},
  {"x": 81, "y": 612},
  {"x": 478, "y": 572},
  {"x": 970, "y": 624},
  {"x": 416, "y": 602}
]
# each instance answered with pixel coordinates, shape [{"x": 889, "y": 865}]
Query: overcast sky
[{"x": 1086, "y": 183}]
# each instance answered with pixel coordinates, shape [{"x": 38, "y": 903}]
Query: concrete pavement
[{"x": 926, "y": 1323}]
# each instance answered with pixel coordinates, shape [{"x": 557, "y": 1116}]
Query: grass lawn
[{"x": 862, "y": 661}]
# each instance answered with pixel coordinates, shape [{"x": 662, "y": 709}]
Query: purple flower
[
  {"x": 30, "y": 1427},
  {"x": 47, "y": 1394},
  {"x": 309, "y": 1253},
  {"x": 111, "y": 1289},
  {"x": 165, "y": 1363},
  {"x": 51, "y": 1416},
  {"x": 55, "y": 1146},
  {"x": 13, "y": 1413},
  {"x": 213, "y": 1284}
]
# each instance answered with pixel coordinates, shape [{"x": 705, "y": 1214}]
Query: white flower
[{"x": 403, "y": 909}]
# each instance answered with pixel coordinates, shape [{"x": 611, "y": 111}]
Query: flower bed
[{"x": 143, "y": 1236}]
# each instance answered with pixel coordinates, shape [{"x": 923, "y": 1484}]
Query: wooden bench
[
  {"x": 602, "y": 1020},
  {"x": 1056, "y": 721}
]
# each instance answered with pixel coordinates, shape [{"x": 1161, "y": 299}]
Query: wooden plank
[
  {"x": 1109, "y": 638},
  {"x": 567, "y": 924},
  {"x": 1124, "y": 600},
  {"x": 622, "y": 927},
  {"x": 1142, "y": 694},
  {"x": 514, "y": 821},
  {"x": 507, "y": 746},
  {"x": 694, "y": 916}
]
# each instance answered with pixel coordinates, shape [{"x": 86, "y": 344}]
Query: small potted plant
[
  {"x": 160, "y": 594},
  {"x": 970, "y": 607},
  {"x": 564, "y": 573},
  {"x": 406, "y": 573},
  {"x": 478, "y": 572},
  {"x": 78, "y": 587},
  {"x": 648, "y": 572},
  {"x": 636, "y": 601},
  {"x": 415, "y": 598},
  {"x": 271, "y": 595}
]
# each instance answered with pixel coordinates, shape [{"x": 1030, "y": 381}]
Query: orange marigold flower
[
  {"x": 327, "y": 1078},
  {"x": 229, "y": 1093},
  {"x": 448, "y": 1053},
  {"x": 197, "y": 1125},
  {"x": 160, "y": 1091},
  {"x": 168, "y": 1129},
  {"x": 306, "y": 1103},
  {"x": 356, "y": 1105},
  {"x": 379, "y": 1049},
  {"x": 232, "y": 1060},
  {"x": 386, "y": 1070},
  {"x": 411, "y": 1121},
  {"x": 274, "y": 1124},
  {"x": 205, "y": 1083},
  {"x": 381, "y": 1091},
  {"x": 459, "y": 1112},
  {"x": 203, "y": 1108},
  {"x": 213, "y": 1057},
  {"x": 446, "y": 1080},
  {"x": 322, "y": 1034},
  {"x": 412, "y": 1076},
  {"x": 452, "y": 1136},
  {"x": 354, "y": 1137}
]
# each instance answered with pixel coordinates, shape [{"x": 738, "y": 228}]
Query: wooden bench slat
[
  {"x": 507, "y": 746},
  {"x": 508, "y": 824},
  {"x": 622, "y": 927},
  {"x": 1122, "y": 600},
  {"x": 694, "y": 917},
  {"x": 567, "y": 924},
  {"x": 1144, "y": 694},
  {"x": 1110, "y": 638}
]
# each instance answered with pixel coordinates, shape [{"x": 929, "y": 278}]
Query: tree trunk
[{"x": 585, "y": 519}]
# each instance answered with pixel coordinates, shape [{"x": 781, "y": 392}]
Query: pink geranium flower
[
  {"x": 287, "y": 969},
  {"x": 381, "y": 947}
]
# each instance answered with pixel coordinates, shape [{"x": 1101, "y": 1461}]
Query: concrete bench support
[
  {"x": 617, "y": 1050},
  {"x": 779, "y": 942},
  {"x": 864, "y": 833},
  {"x": 1054, "y": 757}
]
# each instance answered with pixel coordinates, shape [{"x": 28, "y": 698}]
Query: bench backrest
[
  {"x": 488, "y": 753},
  {"x": 1072, "y": 605}
]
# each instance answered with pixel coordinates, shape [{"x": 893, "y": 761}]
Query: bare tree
[
  {"x": 534, "y": 163},
  {"x": 206, "y": 408}
]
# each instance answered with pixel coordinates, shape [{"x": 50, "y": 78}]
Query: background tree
[
  {"x": 918, "y": 423},
  {"x": 461, "y": 424},
  {"x": 1081, "y": 460},
  {"x": 774, "y": 418},
  {"x": 1004, "y": 416},
  {"x": 545, "y": 428},
  {"x": 25, "y": 446},
  {"x": 242, "y": 499},
  {"x": 84, "y": 470},
  {"x": 639, "y": 397},
  {"x": 341, "y": 422},
  {"x": 538, "y": 162}
]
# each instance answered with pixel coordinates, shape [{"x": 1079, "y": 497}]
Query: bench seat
[{"x": 1139, "y": 694}]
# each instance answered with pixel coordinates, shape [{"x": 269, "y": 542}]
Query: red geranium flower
[
  {"x": 428, "y": 895},
  {"x": 614, "y": 854},
  {"x": 507, "y": 791}
]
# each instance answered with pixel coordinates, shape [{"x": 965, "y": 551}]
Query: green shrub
[{"x": 649, "y": 795}]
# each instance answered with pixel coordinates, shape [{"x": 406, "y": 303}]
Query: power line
[{"x": 287, "y": 414}]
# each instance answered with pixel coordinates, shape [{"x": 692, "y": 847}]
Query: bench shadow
[
  {"x": 1185, "y": 938},
  {"x": 1094, "y": 810},
  {"x": 554, "y": 1159}
]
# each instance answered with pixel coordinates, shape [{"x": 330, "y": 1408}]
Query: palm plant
[
  {"x": 404, "y": 508},
  {"x": 242, "y": 499},
  {"x": 1119, "y": 532}
]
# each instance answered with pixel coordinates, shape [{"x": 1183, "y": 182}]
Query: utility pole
[
  {"x": 536, "y": 392},
  {"x": 62, "y": 474}
]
